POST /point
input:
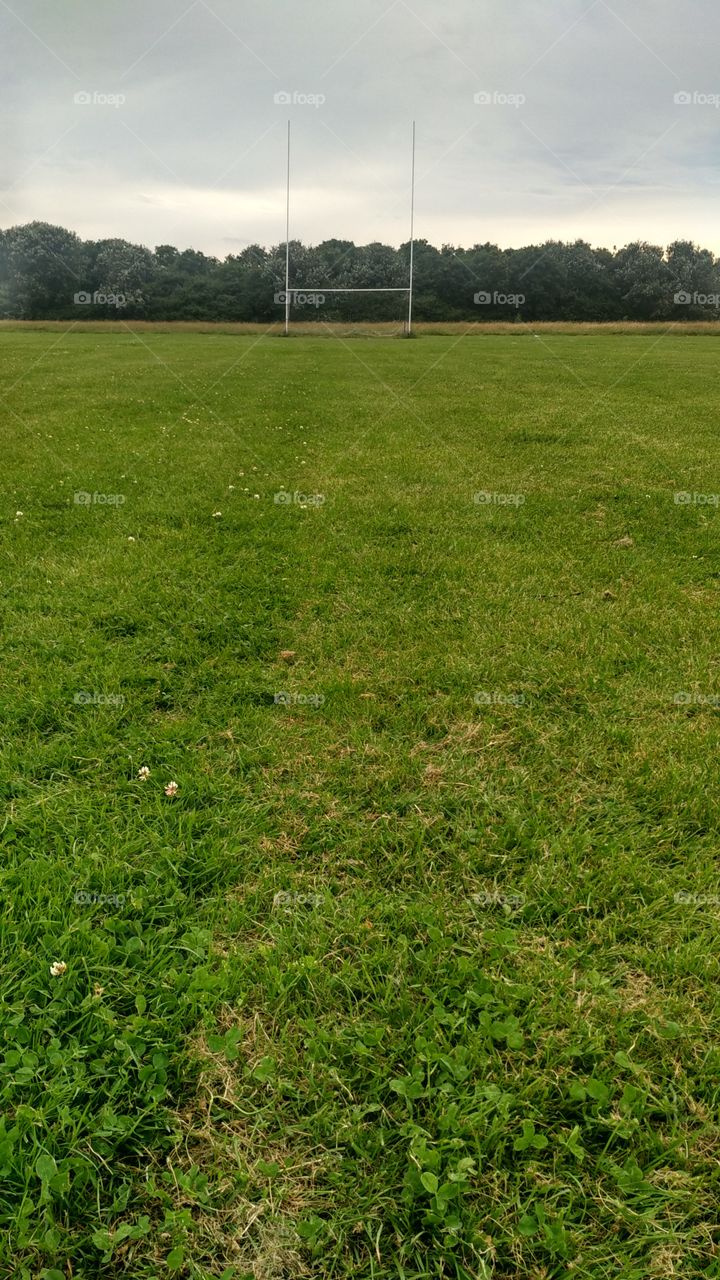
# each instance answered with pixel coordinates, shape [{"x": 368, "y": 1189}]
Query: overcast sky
[{"x": 183, "y": 141}]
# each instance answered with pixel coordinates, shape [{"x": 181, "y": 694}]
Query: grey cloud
[{"x": 195, "y": 152}]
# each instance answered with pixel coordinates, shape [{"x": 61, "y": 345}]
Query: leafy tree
[
  {"x": 42, "y": 267},
  {"x": 693, "y": 272},
  {"x": 644, "y": 281}
]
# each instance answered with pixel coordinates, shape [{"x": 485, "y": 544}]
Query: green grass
[{"x": 475, "y": 1035}]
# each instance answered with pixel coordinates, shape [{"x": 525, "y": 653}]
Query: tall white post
[
  {"x": 412, "y": 231},
  {"x": 287, "y": 239}
]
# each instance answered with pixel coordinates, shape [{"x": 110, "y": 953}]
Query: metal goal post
[{"x": 291, "y": 292}]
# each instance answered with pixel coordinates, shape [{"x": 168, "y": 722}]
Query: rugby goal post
[{"x": 307, "y": 292}]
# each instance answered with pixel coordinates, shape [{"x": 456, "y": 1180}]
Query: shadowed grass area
[{"x": 416, "y": 974}]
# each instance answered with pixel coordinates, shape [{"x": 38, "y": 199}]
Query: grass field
[{"x": 416, "y": 974}]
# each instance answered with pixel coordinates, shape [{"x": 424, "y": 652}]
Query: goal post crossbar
[
  {"x": 404, "y": 288},
  {"x": 293, "y": 290}
]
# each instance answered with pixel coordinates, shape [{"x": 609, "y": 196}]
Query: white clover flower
[
  {"x": 143, "y": 773},
  {"x": 58, "y": 968},
  {"x": 171, "y": 789}
]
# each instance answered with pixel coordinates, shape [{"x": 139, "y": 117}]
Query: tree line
[{"x": 49, "y": 273}]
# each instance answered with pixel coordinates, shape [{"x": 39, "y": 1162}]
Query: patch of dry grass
[{"x": 381, "y": 329}]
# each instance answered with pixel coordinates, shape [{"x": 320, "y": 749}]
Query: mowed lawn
[{"x": 417, "y": 973}]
